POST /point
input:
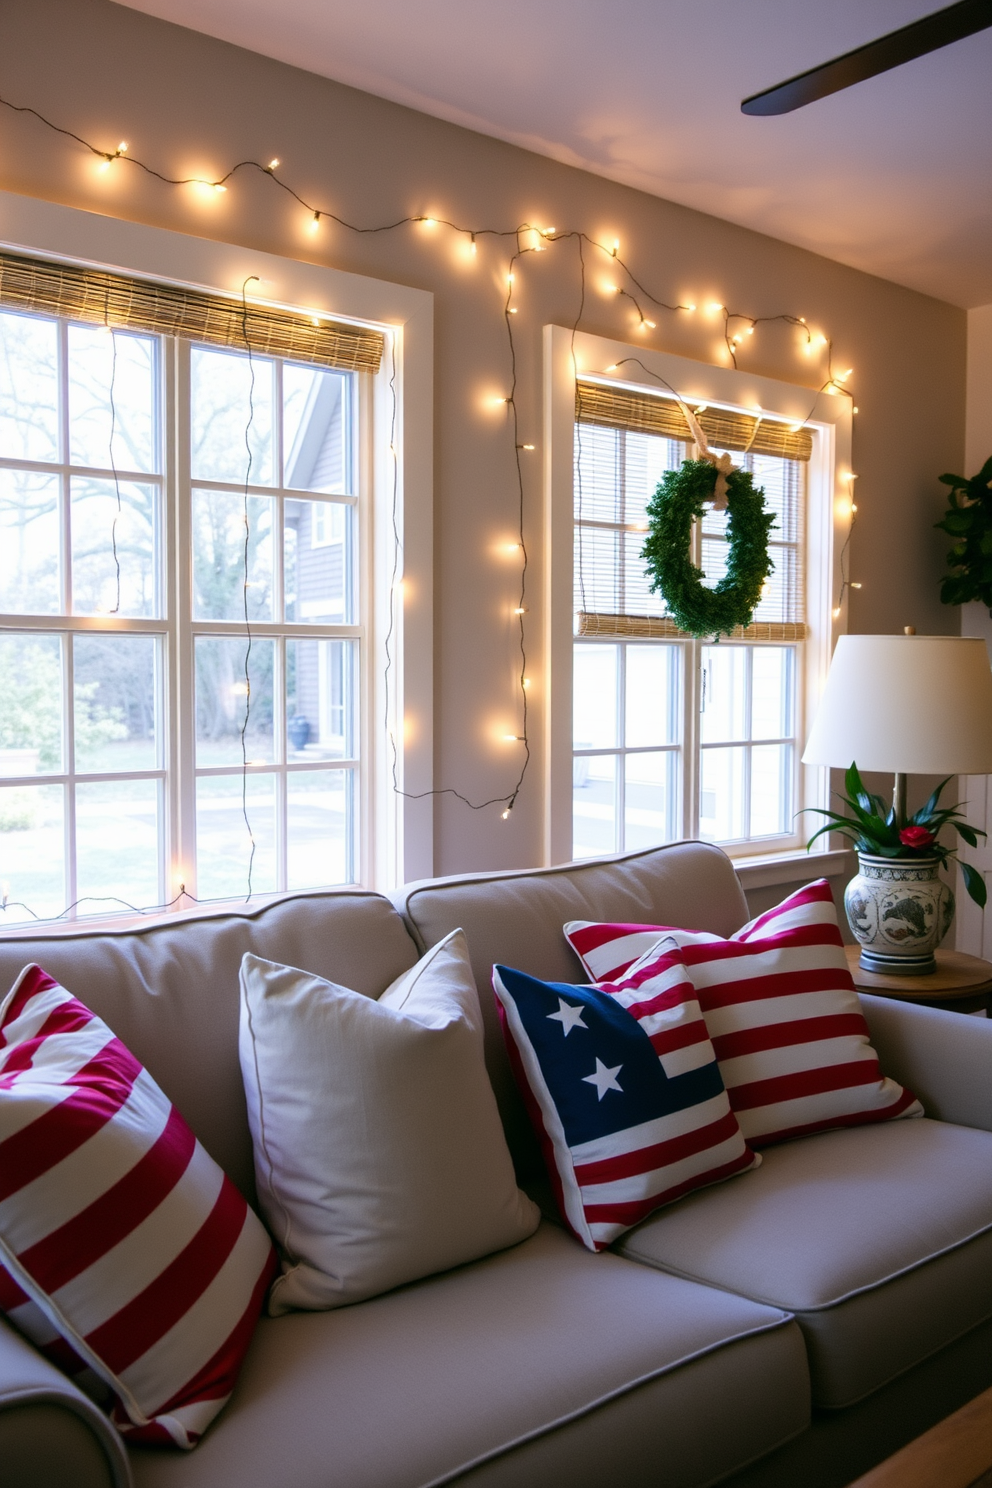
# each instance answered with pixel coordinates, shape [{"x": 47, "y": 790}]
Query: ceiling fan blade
[{"x": 925, "y": 35}]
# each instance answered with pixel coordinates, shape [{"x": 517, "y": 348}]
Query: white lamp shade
[{"x": 906, "y": 704}]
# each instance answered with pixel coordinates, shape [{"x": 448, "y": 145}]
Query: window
[
  {"x": 184, "y": 616},
  {"x": 671, "y": 736}
]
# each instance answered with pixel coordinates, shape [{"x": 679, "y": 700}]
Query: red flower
[{"x": 916, "y": 837}]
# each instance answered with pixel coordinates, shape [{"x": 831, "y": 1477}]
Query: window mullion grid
[
  {"x": 279, "y": 643},
  {"x": 749, "y": 744},
  {"x": 183, "y": 665},
  {"x": 65, "y": 540},
  {"x": 692, "y": 653},
  {"x": 620, "y": 769}
]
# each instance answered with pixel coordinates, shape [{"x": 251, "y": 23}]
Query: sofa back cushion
[
  {"x": 169, "y": 990},
  {"x": 517, "y": 919}
]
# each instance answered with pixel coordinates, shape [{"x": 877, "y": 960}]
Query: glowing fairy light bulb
[{"x": 273, "y": 164}]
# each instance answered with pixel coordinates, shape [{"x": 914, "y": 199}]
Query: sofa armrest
[
  {"x": 945, "y": 1058},
  {"x": 51, "y": 1434}
]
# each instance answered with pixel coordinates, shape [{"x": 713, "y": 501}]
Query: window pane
[
  {"x": 650, "y": 800},
  {"x": 115, "y": 703},
  {"x": 320, "y": 699},
  {"x": 223, "y": 702},
  {"x": 724, "y": 704},
  {"x": 721, "y": 795},
  {"x": 112, "y": 399},
  {"x": 315, "y": 429},
  {"x": 319, "y": 815},
  {"x": 30, "y": 543},
  {"x": 653, "y": 695},
  {"x": 598, "y": 474},
  {"x": 224, "y": 841},
  {"x": 228, "y": 394},
  {"x": 594, "y": 697},
  {"x": 29, "y": 397},
  {"x": 31, "y": 728},
  {"x": 771, "y": 692},
  {"x": 317, "y": 542},
  {"x": 219, "y": 556},
  {"x": 99, "y": 526},
  {"x": 118, "y": 847},
  {"x": 771, "y": 789},
  {"x": 594, "y": 812},
  {"x": 32, "y": 852}
]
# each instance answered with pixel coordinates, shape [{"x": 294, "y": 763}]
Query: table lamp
[{"x": 909, "y": 705}]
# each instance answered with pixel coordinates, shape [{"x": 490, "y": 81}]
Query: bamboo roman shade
[
  {"x": 624, "y": 443},
  {"x": 622, "y": 408},
  {"x": 142, "y": 305}
]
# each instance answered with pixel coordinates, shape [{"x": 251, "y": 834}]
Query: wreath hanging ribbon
[{"x": 680, "y": 498}]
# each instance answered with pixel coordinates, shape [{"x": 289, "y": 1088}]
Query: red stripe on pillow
[
  {"x": 215, "y": 1380},
  {"x": 662, "y": 1154},
  {"x": 101, "y": 1088},
  {"x": 23, "y": 1057},
  {"x": 785, "y": 1035},
  {"x": 804, "y": 1083},
  {"x": 31, "y": 981},
  {"x": 11, "y": 1295},
  {"x": 66, "y": 1252},
  {"x": 628, "y": 1214},
  {"x": 903, "y": 1107},
  {"x": 132, "y": 1331}
]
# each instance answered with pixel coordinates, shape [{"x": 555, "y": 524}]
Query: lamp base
[{"x": 883, "y": 965}]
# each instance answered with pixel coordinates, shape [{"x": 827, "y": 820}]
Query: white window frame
[
  {"x": 827, "y": 526},
  {"x": 396, "y": 833}
]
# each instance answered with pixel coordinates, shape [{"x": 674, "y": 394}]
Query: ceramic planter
[{"x": 899, "y": 910}]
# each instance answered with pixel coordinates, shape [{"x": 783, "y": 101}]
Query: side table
[{"x": 962, "y": 984}]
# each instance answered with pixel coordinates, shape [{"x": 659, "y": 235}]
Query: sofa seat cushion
[
  {"x": 495, "y": 1372},
  {"x": 878, "y": 1240}
]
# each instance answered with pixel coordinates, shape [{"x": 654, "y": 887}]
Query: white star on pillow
[
  {"x": 568, "y": 1016},
  {"x": 604, "y": 1079}
]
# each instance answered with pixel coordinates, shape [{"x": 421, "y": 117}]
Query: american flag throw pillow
[
  {"x": 782, "y": 1011},
  {"x": 126, "y": 1255},
  {"x": 623, "y": 1089}
]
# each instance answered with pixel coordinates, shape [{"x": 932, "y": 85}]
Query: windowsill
[{"x": 790, "y": 867}]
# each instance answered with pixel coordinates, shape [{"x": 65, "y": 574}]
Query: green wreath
[{"x": 679, "y": 498}]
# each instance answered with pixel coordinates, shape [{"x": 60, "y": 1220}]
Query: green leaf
[
  {"x": 975, "y": 884},
  {"x": 931, "y": 804},
  {"x": 853, "y": 783},
  {"x": 968, "y": 832}
]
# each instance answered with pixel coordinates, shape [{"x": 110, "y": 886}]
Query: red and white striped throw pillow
[
  {"x": 126, "y": 1255},
  {"x": 782, "y": 1011}
]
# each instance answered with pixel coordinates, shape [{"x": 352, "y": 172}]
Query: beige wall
[
  {"x": 975, "y": 618},
  {"x": 186, "y": 103}
]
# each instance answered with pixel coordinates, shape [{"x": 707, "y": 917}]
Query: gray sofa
[{"x": 791, "y": 1326}]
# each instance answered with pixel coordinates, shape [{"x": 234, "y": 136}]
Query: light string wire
[
  {"x": 546, "y": 236},
  {"x": 244, "y": 593}
]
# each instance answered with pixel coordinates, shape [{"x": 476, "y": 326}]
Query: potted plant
[{"x": 898, "y": 906}]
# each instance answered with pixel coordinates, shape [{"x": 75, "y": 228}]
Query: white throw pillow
[{"x": 379, "y": 1152}]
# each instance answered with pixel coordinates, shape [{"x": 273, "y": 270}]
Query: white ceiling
[{"x": 893, "y": 176}]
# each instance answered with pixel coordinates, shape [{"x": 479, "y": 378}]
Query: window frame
[
  {"x": 395, "y": 469},
  {"x": 568, "y": 354}
]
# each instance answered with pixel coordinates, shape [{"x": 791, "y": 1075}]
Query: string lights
[{"x": 739, "y": 329}]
